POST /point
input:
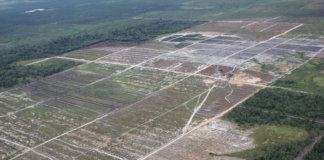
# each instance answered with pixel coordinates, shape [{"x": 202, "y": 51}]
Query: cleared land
[{"x": 147, "y": 101}]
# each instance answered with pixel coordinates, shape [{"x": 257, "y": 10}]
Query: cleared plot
[
  {"x": 31, "y": 155},
  {"x": 240, "y": 76},
  {"x": 207, "y": 53},
  {"x": 174, "y": 65},
  {"x": 158, "y": 45},
  {"x": 188, "y": 67},
  {"x": 162, "y": 63},
  {"x": 185, "y": 38},
  {"x": 133, "y": 55},
  {"x": 225, "y": 39},
  {"x": 86, "y": 54},
  {"x": 40, "y": 91},
  {"x": 148, "y": 124},
  {"x": 98, "y": 155},
  {"x": 245, "y": 55},
  {"x": 102, "y": 68},
  {"x": 13, "y": 101},
  {"x": 309, "y": 48},
  {"x": 320, "y": 55},
  {"x": 108, "y": 90},
  {"x": 145, "y": 80},
  {"x": 77, "y": 78},
  {"x": 38, "y": 124},
  {"x": 203, "y": 46},
  {"x": 9, "y": 150},
  {"x": 260, "y": 26},
  {"x": 62, "y": 150},
  {"x": 111, "y": 46},
  {"x": 58, "y": 85},
  {"x": 280, "y": 27},
  {"x": 182, "y": 45},
  {"x": 276, "y": 62},
  {"x": 309, "y": 77},
  {"x": 189, "y": 56},
  {"x": 252, "y": 77},
  {"x": 300, "y": 41},
  {"x": 85, "y": 102},
  {"x": 216, "y": 71},
  {"x": 144, "y": 126},
  {"x": 317, "y": 43},
  {"x": 253, "y": 31},
  {"x": 266, "y": 30},
  {"x": 117, "y": 92},
  {"x": 310, "y": 31},
  {"x": 231, "y": 62},
  {"x": 220, "y": 137},
  {"x": 217, "y": 53},
  {"x": 220, "y": 99}
]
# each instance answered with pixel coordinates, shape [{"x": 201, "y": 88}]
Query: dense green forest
[
  {"x": 279, "y": 107},
  {"x": 11, "y": 72}
]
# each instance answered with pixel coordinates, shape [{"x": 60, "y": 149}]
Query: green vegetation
[
  {"x": 300, "y": 55},
  {"x": 309, "y": 78},
  {"x": 86, "y": 54},
  {"x": 318, "y": 151},
  {"x": 268, "y": 67},
  {"x": 285, "y": 121}
]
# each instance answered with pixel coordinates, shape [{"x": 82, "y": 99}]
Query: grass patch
[
  {"x": 276, "y": 135},
  {"x": 309, "y": 78}
]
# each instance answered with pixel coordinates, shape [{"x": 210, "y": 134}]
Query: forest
[{"x": 280, "y": 107}]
